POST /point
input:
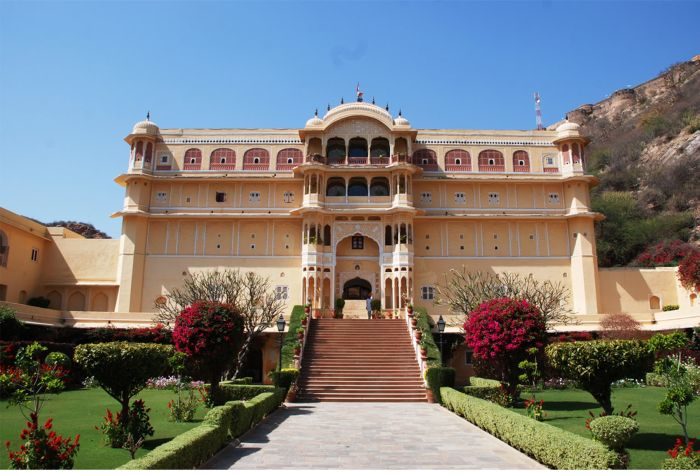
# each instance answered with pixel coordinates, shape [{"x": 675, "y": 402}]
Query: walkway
[{"x": 368, "y": 436}]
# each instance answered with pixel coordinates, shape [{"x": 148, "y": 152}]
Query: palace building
[{"x": 356, "y": 202}]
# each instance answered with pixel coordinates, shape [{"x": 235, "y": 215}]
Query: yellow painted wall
[{"x": 630, "y": 289}]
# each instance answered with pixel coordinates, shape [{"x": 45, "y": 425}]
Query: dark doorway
[{"x": 357, "y": 288}]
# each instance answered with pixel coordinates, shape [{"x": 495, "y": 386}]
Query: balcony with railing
[
  {"x": 492, "y": 168},
  {"x": 521, "y": 168},
  {"x": 257, "y": 167},
  {"x": 551, "y": 170},
  {"x": 219, "y": 166},
  {"x": 458, "y": 168}
]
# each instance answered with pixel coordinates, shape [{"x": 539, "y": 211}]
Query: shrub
[
  {"x": 376, "y": 305},
  {"x": 10, "y": 327},
  {"x": 31, "y": 379},
  {"x": 38, "y": 301},
  {"x": 620, "y": 326},
  {"x": 290, "y": 338},
  {"x": 122, "y": 368},
  {"x": 660, "y": 343},
  {"x": 231, "y": 392},
  {"x": 670, "y": 307},
  {"x": 137, "y": 425},
  {"x": 58, "y": 359},
  {"x": 654, "y": 379},
  {"x": 500, "y": 332},
  {"x": 664, "y": 253},
  {"x": 614, "y": 431},
  {"x": 596, "y": 365},
  {"x": 689, "y": 270},
  {"x": 438, "y": 377},
  {"x": 682, "y": 457},
  {"x": 484, "y": 382},
  {"x": 547, "y": 444},
  {"x": 434, "y": 359},
  {"x": 184, "y": 408},
  {"x": 43, "y": 448},
  {"x": 210, "y": 334},
  {"x": 535, "y": 409},
  {"x": 339, "y": 304},
  {"x": 284, "y": 378}
]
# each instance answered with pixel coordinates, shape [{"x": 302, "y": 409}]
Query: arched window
[
  {"x": 491, "y": 161},
  {"x": 222, "y": 159},
  {"x": 76, "y": 301},
  {"x": 357, "y": 147},
  {"x": 379, "y": 187},
  {"x": 193, "y": 159},
  {"x": 387, "y": 235},
  {"x": 575, "y": 151},
  {"x": 288, "y": 158},
  {"x": 4, "y": 249},
  {"x": 335, "y": 148},
  {"x": 149, "y": 153},
  {"x": 139, "y": 151},
  {"x": 565, "y": 153},
  {"x": 654, "y": 303},
  {"x": 327, "y": 235},
  {"x": 380, "y": 147},
  {"x": 315, "y": 147},
  {"x": 357, "y": 187},
  {"x": 335, "y": 187},
  {"x": 521, "y": 161},
  {"x": 458, "y": 159},
  {"x": 425, "y": 158},
  {"x": 256, "y": 159}
]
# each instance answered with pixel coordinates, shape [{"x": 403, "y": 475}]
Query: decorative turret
[
  {"x": 571, "y": 143},
  {"x": 315, "y": 121},
  {"x": 142, "y": 140},
  {"x": 401, "y": 121}
]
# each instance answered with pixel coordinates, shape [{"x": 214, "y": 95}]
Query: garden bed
[
  {"x": 80, "y": 411},
  {"x": 568, "y": 410}
]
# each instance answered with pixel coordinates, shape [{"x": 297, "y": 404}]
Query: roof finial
[
  {"x": 328, "y": 108},
  {"x": 399, "y": 112},
  {"x": 148, "y": 115},
  {"x": 342, "y": 101},
  {"x": 316, "y": 113},
  {"x": 566, "y": 117},
  {"x": 387, "y": 107},
  {"x": 372, "y": 99}
]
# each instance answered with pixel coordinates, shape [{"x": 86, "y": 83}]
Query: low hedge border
[
  {"x": 231, "y": 392},
  {"x": 191, "y": 449},
  {"x": 484, "y": 388},
  {"x": 433, "y": 351},
  {"x": 438, "y": 377},
  {"x": 483, "y": 382},
  {"x": 290, "y": 338},
  {"x": 551, "y": 446}
]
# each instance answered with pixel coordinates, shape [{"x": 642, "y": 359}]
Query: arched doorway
[{"x": 357, "y": 288}]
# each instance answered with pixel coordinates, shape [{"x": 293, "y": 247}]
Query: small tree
[
  {"x": 595, "y": 365},
  {"x": 680, "y": 393},
  {"x": 123, "y": 368},
  {"x": 249, "y": 293},
  {"x": 464, "y": 290},
  {"x": 500, "y": 332},
  {"x": 620, "y": 326},
  {"x": 210, "y": 333}
]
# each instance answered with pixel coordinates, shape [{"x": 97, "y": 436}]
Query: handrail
[{"x": 416, "y": 345}]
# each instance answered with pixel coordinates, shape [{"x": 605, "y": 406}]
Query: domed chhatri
[
  {"x": 314, "y": 121},
  {"x": 401, "y": 121},
  {"x": 568, "y": 126},
  {"x": 146, "y": 127}
]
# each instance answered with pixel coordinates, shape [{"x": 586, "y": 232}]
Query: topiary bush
[
  {"x": 123, "y": 368},
  {"x": 614, "y": 431},
  {"x": 59, "y": 359},
  {"x": 595, "y": 365},
  {"x": 210, "y": 334},
  {"x": 500, "y": 332}
]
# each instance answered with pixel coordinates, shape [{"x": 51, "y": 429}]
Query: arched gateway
[{"x": 357, "y": 288}]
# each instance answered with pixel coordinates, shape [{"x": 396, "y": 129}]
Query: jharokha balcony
[{"x": 384, "y": 160}]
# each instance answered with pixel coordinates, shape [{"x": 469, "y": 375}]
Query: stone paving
[{"x": 368, "y": 436}]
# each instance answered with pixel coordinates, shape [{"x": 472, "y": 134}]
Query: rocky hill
[
  {"x": 87, "y": 230},
  {"x": 645, "y": 148}
]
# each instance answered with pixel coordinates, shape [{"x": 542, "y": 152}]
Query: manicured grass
[
  {"x": 79, "y": 411},
  {"x": 568, "y": 409}
]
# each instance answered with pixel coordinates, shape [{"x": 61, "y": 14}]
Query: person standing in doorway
[{"x": 369, "y": 306}]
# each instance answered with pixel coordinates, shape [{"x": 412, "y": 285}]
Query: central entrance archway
[{"x": 357, "y": 288}]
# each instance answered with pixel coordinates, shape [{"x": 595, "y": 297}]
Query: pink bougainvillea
[
  {"x": 500, "y": 332},
  {"x": 664, "y": 253},
  {"x": 689, "y": 271},
  {"x": 210, "y": 334}
]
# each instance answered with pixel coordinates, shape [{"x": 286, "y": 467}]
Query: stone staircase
[
  {"x": 360, "y": 361},
  {"x": 355, "y": 309}
]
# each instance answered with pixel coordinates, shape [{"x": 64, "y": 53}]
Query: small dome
[
  {"x": 314, "y": 121},
  {"x": 568, "y": 126},
  {"x": 401, "y": 121},
  {"x": 146, "y": 127}
]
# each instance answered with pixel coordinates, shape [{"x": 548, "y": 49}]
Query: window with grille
[
  {"x": 427, "y": 293},
  {"x": 288, "y": 197},
  {"x": 553, "y": 198},
  {"x": 161, "y": 196},
  {"x": 282, "y": 293},
  {"x": 358, "y": 242},
  {"x": 254, "y": 197},
  {"x": 426, "y": 197},
  {"x": 494, "y": 198},
  {"x": 460, "y": 197},
  {"x": 35, "y": 254}
]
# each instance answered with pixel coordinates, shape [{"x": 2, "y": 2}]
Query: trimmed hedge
[
  {"x": 240, "y": 381},
  {"x": 433, "y": 351},
  {"x": 290, "y": 338},
  {"x": 231, "y": 392},
  {"x": 492, "y": 394},
  {"x": 284, "y": 378},
  {"x": 194, "y": 447},
  {"x": 547, "y": 444},
  {"x": 484, "y": 382},
  {"x": 438, "y": 377}
]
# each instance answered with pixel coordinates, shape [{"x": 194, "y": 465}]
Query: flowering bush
[
  {"x": 500, "y": 332},
  {"x": 689, "y": 270},
  {"x": 137, "y": 425},
  {"x": 664, "y": 253},
  {"x": 43, "y": 448},
  {"x": 535, "y": 409},
  {"x": 184, "y": 408},
  {"x": 210, "y": 333},
  {"x": 171, "y": 383},
  {"x": 682, "y": 457}
]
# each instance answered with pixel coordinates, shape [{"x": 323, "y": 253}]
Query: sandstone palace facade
[{"x": 356, "y": 202}]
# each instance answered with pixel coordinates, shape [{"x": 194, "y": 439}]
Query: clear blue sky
[{"x": 75, "y": 76}]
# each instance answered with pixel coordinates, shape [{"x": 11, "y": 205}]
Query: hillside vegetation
[{"x": 645, "y": 149}]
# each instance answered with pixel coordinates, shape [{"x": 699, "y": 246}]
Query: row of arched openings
[
  {"x": 251, "y": 157},
  {"x": 357, "y": 187},
  {"x": 488, "y": 160},
  {"x": 357, "y": 147},
  {"x": 139, "y": 151}
]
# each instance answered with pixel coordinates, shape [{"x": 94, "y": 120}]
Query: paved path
[{"x": 368, "y": 436}]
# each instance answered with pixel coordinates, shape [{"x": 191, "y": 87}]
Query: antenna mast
[{"x": 538, "y": 112}]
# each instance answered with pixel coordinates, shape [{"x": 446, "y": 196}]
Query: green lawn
[
  {"x": 568, "y": 409},
  {"x": 79, "y": 411}
]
